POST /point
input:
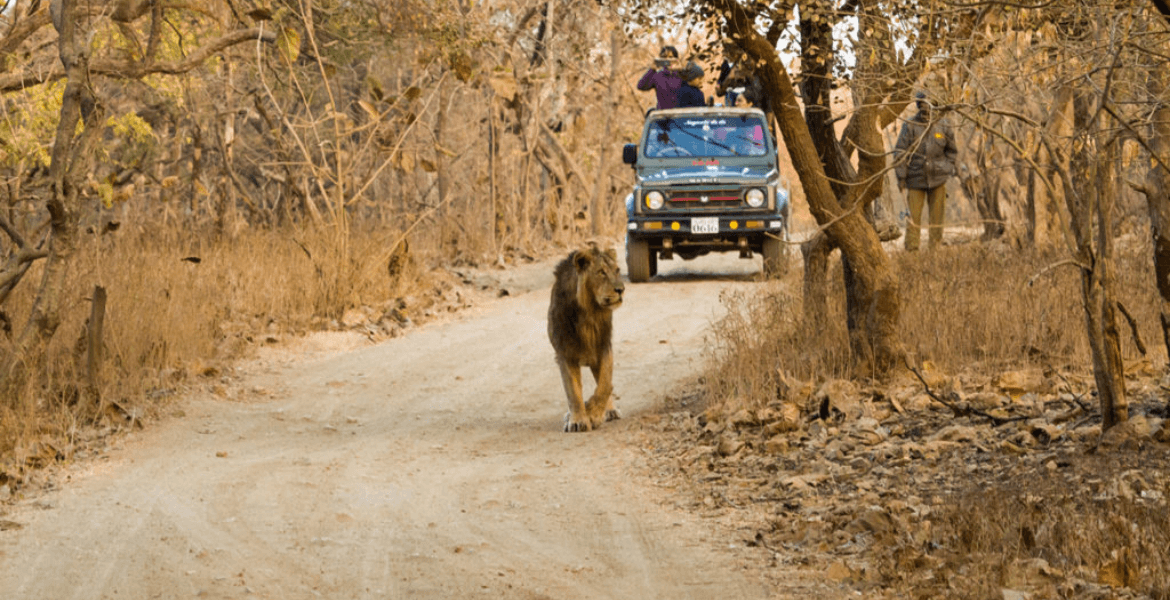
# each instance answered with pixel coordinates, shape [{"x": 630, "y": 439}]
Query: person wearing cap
[
  {"x": 924, "y": 158},
  {"x": 689, "y": 93},
  {"x": 663, "y": 78}
]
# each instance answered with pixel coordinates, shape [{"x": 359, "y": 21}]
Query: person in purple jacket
[{"x": 663, "y": 78}]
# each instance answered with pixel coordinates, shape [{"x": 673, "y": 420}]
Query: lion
[{"x": 580, "y": 326}]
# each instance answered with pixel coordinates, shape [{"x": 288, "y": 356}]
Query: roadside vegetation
[
  {"x": 183, "y": 184},
  {"x": 979, "y": 469},
  {"x": 987, "y": 419}
]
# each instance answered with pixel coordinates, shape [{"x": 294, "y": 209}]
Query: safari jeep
[{"x": 707, "y": 180}]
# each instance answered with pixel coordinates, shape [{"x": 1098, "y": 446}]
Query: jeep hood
[{"x": 702, "y": 172}]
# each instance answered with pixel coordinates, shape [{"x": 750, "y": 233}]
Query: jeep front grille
[{"x": 689, "y": 200}]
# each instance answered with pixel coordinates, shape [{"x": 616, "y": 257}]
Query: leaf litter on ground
[{"x": 937, "y": 487}]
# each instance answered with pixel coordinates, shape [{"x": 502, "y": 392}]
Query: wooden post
[{"x": 97, "y": 317}]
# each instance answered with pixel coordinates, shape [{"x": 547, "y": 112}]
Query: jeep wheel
[
  {"x": 638, "y": 260},
  {"x": 775, "y": 261}
]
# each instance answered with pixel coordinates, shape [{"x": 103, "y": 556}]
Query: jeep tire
[{"x": 638, "y": 260}]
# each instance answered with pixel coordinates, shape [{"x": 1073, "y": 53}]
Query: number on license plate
[{"x": 705, "y": 225}]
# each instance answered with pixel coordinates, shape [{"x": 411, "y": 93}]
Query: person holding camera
[{"x": 663, "y": 78}]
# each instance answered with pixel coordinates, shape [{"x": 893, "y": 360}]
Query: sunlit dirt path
[{"x": 427, "y": 466}]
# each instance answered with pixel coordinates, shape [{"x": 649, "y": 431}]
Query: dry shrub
[
  {"x": 985, "y": 305},
  {"x": 179, "y": 307},
  {"x": 973, "y": 305},
  {"x": 763, "y": 341},
  {"x": 980, "y": 309}
]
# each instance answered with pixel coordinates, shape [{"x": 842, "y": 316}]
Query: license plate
[{"x": 705, "y": 225}]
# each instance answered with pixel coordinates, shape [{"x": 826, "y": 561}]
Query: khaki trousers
[{"x": 936, "y": 198}]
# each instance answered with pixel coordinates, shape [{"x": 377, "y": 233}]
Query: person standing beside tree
[{"x": 923, "y": 175}]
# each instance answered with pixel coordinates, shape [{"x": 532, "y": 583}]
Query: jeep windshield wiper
[{"x": 706, "y": 140}]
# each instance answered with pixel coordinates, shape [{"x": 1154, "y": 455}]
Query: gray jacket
[{"x": 933, "y": 156}]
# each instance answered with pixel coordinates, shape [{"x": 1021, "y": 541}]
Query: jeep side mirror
[{"x": 630, "y": 154}]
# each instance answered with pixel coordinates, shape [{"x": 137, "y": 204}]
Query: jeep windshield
[{"x": 707, "y": 136}]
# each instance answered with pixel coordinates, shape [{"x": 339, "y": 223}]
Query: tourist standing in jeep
[
  {"x": 663, "y": 78},
  {"x": 689, "y": 94}
]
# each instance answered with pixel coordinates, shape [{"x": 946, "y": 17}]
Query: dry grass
[
  {"x": 180, "y": 306},
  {"x": 969, "y": 306},
  {"x": 984, "y": 310}
]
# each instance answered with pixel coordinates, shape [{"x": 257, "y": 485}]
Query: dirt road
[{"x": 427, "y": 466}]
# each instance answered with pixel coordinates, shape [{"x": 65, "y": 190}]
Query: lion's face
[{"x": 599, "y": 281}]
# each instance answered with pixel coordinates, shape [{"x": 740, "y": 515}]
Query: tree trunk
[
  {"x": 1157, "y": 193},
  {"x": 95, "y": 342},
  {"x": 864, "y": 322},
  {"x": 1044, "y": 202},
  {"x": 595, "y": 203},
  {"x": 874, "y": 281},
  {"x": 493, "y": 150},
  {"x": 982, "y": 184},
  {"x": 442, "y": 183},
  {"x": 1091, "y": 196},
  {"x": 69, "y": 162},
  {"x": 816, "y": 253}
]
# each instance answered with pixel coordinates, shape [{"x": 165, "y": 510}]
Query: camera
[{"x": 662, "y": 63}]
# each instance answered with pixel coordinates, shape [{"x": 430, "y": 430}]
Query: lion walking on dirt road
[{"x": 580, "y": 326}]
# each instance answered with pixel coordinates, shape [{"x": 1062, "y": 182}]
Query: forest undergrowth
[{"x": 979, "y": 470}]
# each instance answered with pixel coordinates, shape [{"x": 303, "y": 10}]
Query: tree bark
[
  {"x": 816, "y": 253},
  {"x": 875, "y": 283},
  {"x": 69, "y": 161},
  {"x": 1045, "y": 221},
  {"x": 1157, "y": 192},
  {"x": 1091, "y": 197}
]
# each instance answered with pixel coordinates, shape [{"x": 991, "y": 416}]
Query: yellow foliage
[
  {"x": 105, "y": 191},
  {"x": 28, "y": 128},
  {"x": 132, "y": 127}
]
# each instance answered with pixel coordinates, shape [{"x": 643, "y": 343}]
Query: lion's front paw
[
  {"x": 574, "y": 425},
  {"x": 613, "y": 414}
]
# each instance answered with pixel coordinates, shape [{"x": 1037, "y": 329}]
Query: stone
[
  {"x": 777, "y": 444},
  {"x": 1018, "y": 383},
  {"x": 984, "y": 400},
  {"x": 729, "y": 445},
  {"x": 355, "y": 316},
  {"x": 839, "y": 571}
]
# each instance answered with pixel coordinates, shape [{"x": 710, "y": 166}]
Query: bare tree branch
[
  {"x": 962, "y": 410},
  {"x": 120, "y": 69},
  {"x": 22, "y": 30}
]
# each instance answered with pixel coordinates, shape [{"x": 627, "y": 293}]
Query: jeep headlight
[
  {"x": 755, "y": 197},
  {"x": 654, "y": 200}
]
